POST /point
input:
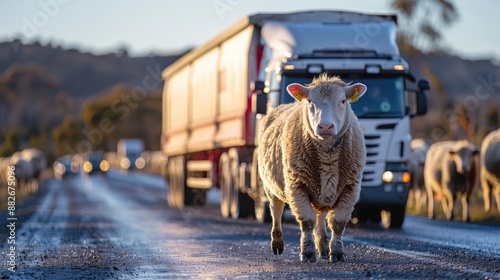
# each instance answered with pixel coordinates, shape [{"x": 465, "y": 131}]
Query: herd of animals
[{"x": 450, "y": 170}]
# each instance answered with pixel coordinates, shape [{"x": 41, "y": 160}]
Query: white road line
[{"x": 424, "y": 257}]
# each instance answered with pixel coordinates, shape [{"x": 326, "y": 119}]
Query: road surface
[{"x": 120, "y": 227}]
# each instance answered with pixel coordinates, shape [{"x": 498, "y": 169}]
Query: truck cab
[{"x": 363, "y": 52}]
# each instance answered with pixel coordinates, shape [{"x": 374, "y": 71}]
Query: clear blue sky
[{"x": 162, "y": 26}]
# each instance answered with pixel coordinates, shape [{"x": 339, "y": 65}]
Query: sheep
[
  {"x": 490, "y": 168},
  {"x": 450, "y": 169},
  {"x": 38, "y": 164},
  {"x": 416, "y": 164},
  {"x": 311, "y": 155},
  {"x": 23, "y": 172}
]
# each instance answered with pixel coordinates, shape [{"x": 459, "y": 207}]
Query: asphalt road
[{"x": 120, "y": 227}]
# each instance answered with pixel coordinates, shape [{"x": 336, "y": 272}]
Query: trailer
[{"x": 214, "y": 96}]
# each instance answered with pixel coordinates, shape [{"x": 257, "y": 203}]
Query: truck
[
  {"x": 128, "y": 153},
  {"x": 215, "y": 95}
]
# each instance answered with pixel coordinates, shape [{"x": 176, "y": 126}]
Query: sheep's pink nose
[{"x": 325, "y": 126}]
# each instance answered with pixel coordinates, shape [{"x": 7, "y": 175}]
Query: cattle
[
  {"x": 311, "y": 156},
  {"x": 490, "y": 169},
  {"x": 416, "y": 165},
  {"x": 450, "y": 171}
]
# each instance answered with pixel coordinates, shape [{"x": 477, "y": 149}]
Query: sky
[{"x": 166, "y": 26}]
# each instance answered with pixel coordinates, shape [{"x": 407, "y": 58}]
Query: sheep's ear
[
  {"x": 298, "y": 91},
  {"x": 354, "y": 92}
]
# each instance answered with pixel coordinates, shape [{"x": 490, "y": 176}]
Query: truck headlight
[
  {"x": 104, "y": 165},
  {"x": 396, "y": 177},
  {"x": 140, "y": 163},
  {"x": 87, "y": 166},
  {"x": 125, "y": 163}
]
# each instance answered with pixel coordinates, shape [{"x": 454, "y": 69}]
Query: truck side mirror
[
  {"x": 423, "y": 85},
  {"x": 258, "y": 85},
  {"x": 259, "y": 102},
  {"x": 421, "y": 103}
]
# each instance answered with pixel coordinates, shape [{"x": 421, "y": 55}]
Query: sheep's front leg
[
  {"x": 337, "y": 221},
  {"x": 305, "y": 215},
  {"x": 320, "y": 236},
  {"x": 276, "y": 206}
]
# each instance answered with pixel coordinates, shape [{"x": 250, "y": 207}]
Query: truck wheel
[
  {"x": 234, "y": 192},
  {"x": 170, "y": 177},
  {"x": 394, "y": 218},
  {"x": 359, "y": 215},
  {"x": 241, "y": 205},
  {"x": 246, "y": 205},
  {"x": 261, "y": 205},
  {"x": 262, "y": 212},
  {"x": 225, "y": 185},
  {"x": 178, "y": 194}
]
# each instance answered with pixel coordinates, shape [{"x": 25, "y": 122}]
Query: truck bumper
[{"x": 384, "y": 195}]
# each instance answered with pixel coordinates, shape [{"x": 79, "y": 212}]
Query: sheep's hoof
[
  {"x": 323, "y": 255},
  {"x": 337, "y": 257},
  {"x": 308, "y": 257},
  {"x": 277, "y": 246}
]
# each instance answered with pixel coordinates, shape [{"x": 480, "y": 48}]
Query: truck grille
[{"x": 372, "y": 173}]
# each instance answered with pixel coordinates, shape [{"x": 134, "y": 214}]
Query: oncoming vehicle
[
  {"x": 94, "y": 163},
  {"x": 128, "y": 154},
  {"x": 65, "y": 166}
]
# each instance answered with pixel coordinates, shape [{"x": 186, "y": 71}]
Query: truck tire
[
  {"x": 225, "y": 185},
  {"x": 247, "y": 209},
  {"x": 178, "y": 194},
  {"x": 170, "y": 178},
  {"x": 241, "y": 205},
  {"x": 261, "y": 205},
  {"x": 393, "y": 218}
]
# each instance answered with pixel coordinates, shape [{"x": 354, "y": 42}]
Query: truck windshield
[{"x": 383, "y": 99}]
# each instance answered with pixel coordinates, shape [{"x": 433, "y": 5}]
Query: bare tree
[{"x": 422, "y": 22}]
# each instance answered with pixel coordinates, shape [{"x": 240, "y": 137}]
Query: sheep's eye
[
  {"x": 309, "y": 101},
  {"x": 343, "y": 101}
]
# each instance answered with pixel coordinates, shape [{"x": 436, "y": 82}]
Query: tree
[
  {"x": 11, "y": 143},
  {"x": 423, "y": 21},
  {"x": 67, "y": 136}
]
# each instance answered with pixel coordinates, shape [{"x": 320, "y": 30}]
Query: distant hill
[
  {"x": 459, "y": 77},
  {"x": 85, "y": 74}
]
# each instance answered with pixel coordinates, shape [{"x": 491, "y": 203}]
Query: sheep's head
[
  {"x": 463, "y": 155},
  {"x": 329, "y": 100}
]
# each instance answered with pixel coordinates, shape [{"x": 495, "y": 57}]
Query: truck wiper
[{"x": 378, "y": 115}]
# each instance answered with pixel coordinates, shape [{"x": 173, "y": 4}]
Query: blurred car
[
  {"x": 65, "y": 166},
  {"x": 94, "y": 163}
]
